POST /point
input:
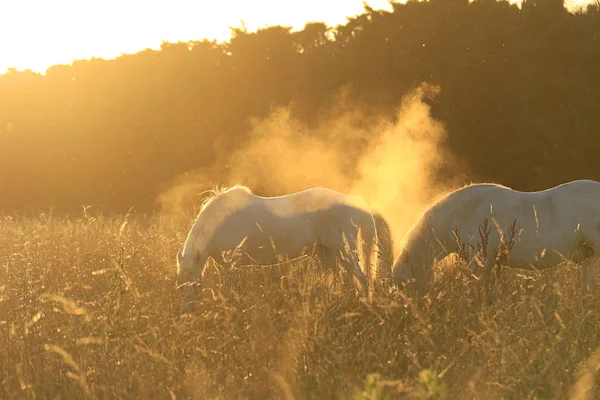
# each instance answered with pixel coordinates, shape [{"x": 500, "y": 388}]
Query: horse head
[{"x": 189, "y": 277}]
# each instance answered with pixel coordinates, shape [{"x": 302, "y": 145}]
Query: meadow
[{"x": 89, "y": 309}]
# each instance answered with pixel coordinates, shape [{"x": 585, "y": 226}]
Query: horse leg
[
  {"x": 346, "y": 276},
  {"x": 329, "y": 262},
  {"x": 351, "y": 262},
  {"x": 367, "y": 250},
  {"x": 355, "y": 258},
  {"x": 353, "y": 271},
  {"x": 482, "y": 274},
  {"x": 588, "y": 274},
  {"x": 489, "y": 279}
]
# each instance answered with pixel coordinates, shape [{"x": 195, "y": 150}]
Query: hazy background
[
  {"x": 37, "y": 34},
  {"x": 395, "y": 104}
]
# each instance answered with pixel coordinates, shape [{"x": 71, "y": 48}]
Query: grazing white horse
[
  {"x": 551, "y": 226},
  {"x": 267, "y": 230}
]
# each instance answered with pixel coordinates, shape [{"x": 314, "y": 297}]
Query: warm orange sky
[{"x": 36, "y": 34}]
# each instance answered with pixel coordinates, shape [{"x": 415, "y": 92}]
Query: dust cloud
[
  {"x": 390, "y": 161},
  {"x": 397, "y": 174}
]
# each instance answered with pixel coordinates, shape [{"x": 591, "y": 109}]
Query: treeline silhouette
[{"x": 520, "y": 94}]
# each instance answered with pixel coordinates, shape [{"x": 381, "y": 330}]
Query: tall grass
[{"x": 89, "y": 309}]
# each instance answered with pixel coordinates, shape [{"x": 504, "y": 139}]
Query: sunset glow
[
  {"x": 38, "y": 34},
  {"x": 35, "y": 34}
]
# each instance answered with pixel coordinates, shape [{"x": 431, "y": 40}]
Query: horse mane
[
  {"x": 444, "y": 194},
  {"x": 217, "y": 192},
  {"x": 202, "y": 219}
]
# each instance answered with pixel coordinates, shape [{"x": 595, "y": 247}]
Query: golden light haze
[
  {"x": 391, "y": 162},
  {"x": 36, "y": 34}
]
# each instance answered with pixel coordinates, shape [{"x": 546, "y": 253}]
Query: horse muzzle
[{"x": 190, "y": 293}]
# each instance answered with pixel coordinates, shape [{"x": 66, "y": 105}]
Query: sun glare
[{"x": 35, "y": 34}]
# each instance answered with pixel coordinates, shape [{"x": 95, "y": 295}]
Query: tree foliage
[{"x": 520, "y": 90}]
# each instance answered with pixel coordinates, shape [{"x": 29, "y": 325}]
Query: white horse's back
[
  {"x": 559, "y": 223},
  {"x": 309, "y": 200},
  {"x": 238, "y": 213},
  {"x": 268, "y": 230},
  {"x": 551, "y": 220},
  {"x": 270, "y": 233}
]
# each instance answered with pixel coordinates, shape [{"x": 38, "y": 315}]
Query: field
[{"x": 89, "y": 309}]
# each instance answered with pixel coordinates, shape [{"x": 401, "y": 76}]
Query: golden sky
[{"x": 36, "y": 34}]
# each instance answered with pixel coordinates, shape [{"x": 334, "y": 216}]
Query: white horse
[
  {"x": 268, "y": 230},
  {"x": 553, "y": 225}
]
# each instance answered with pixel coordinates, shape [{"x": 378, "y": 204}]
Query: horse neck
[
  {"x": 202, "y": 230},
  {"x": 191, "y": 246},
  {"x": 422, "y": 246},
  {"x": 209, "y": 218}
]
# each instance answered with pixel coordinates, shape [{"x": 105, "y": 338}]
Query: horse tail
[{"x": 384, "y": 246}]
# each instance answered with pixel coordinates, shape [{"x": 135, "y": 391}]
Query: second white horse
[{"x": 553, "y": 225}]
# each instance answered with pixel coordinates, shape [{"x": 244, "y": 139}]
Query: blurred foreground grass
[{"x": 88, "y": 309}]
